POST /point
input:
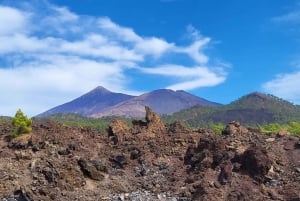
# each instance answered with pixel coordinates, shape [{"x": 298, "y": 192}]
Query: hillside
[
  {"x": 252, "y": 109},
  {"x": 162, "y": 101},
  {"x": 4, "y": 119},
  {"x": 92, "y": 102}
]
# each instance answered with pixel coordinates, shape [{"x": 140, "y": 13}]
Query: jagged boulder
[
  {"x": 234, "y": 128},
  {"x": 256, "y": 162},
  {"x": 226, "y": 172},
  {"x": 178, "y": 127},
  {"x": 210, "y": 152},
  {"x": 118, "y": 131},
  {"x": 154, "y": 123},
  {"x": 151, "y": 126},
  {"x": 93, "y": 169}
]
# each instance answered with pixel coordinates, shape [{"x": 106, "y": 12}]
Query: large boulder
[
  {"x": 210, "y": 153},
  {"x": 234, "y": 128},
  {"x": 118, "y": 131},
  {"x": 256, "y": 162},
  {"x": 178, "y": 127},
  {"x": 93, "y": 169}
]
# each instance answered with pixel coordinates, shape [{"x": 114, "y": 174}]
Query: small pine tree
[{"x": 21, "y": 123}]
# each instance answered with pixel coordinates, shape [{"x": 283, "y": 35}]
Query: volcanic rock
[
  {"x": 234, "y": 128},
  {"x": 178, "y": 127},
  {"x": 92, "y": 169},
  {"x": 118, "y": 131},
  {"x": 152, "y": 126},
  {"x": 256, "y": 162},
  {"x": 61, "y": 162}
]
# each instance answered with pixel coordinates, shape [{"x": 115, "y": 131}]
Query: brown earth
[{"x": 150, "y": 161}]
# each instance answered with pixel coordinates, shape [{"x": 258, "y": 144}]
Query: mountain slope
[
  {"x": 94, "y": 101},
  {"x": 258, "y": 100},
  {"x": 254, "y": 108},
  {"x": 162, "y": 101}
]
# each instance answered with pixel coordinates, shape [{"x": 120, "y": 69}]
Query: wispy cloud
[
  {"x": 189, "y": 77},
  {"x": 291, "y": 17},
  {"x": 51, "y": 55},
  {"x": 285, "y": 86}
]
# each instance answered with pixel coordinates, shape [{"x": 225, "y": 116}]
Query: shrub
[
  {"x": 21, "y": 123},
  {"x": 294, "y": 128},
  {"x": 217, "y": 128},
  {"x": 270, "y": 128}
]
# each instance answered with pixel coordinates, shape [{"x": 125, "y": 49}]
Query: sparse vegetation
[
  {"x": 270, "y": 128},
  {"x": 21, "y": 123},
  {"x": 217, "y": 128},
  {"x": 72, "y": 119},
  {"x": 293, "y": 128}
]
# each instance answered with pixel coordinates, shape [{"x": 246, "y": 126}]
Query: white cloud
[
  {"x": 12, "y": 20},
  {"x": 59, "y": 80},
  {"x": 194, "y": 51},
  {"x": 190, "y": 77},
  {"x": 153, "y": 46},
  {"x": 49, "y": 56},
  {"x": 21, "y": 43},
  {"x": 285, "y": 86},
  {"x": 98, "y": 46},
  {"x": 122, "y": 33}
]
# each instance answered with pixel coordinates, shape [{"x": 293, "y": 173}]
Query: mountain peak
[
  {"x": 95, "y": 100},
  {"x": 162, "y": 101},
  {"x": 261, "y": 100},
  {"x": 257, "y": 94},
  {"x": 101, "y": 88}
]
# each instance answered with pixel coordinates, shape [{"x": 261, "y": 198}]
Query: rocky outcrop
[
  {"x": 178, "y": 127},
  {"x": 234, "y": 128},
  {"x": 210, "y": 152},
  {"x": 255, "y": 162},
  {"x": 93, "y": 169},
  {"x": 118, "y": 131},
  {"x": 153, "y": 124}
]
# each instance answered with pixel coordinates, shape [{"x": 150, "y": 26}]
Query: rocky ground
[{"x": 150, "y": 161}]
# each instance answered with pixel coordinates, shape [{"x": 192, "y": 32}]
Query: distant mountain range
[
  {"x": 252, "y": 109},
  {"x": 101, "y": 102}
]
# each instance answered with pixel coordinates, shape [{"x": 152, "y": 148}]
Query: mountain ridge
[
  {"x": 252, "y": 109},
  {"x": 101, "y": 102},
  {"x": 162, "y": 101}
]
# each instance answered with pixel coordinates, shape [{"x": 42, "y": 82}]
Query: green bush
[
  {"x": 270, "y": 128},
  {"x": 217, "y": 128},
  {"x": 294, "y": 128},
  {"x": 21, "y": 123}
]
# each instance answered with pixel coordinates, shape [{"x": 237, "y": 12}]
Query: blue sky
[{"x": 52, "y": 51}]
